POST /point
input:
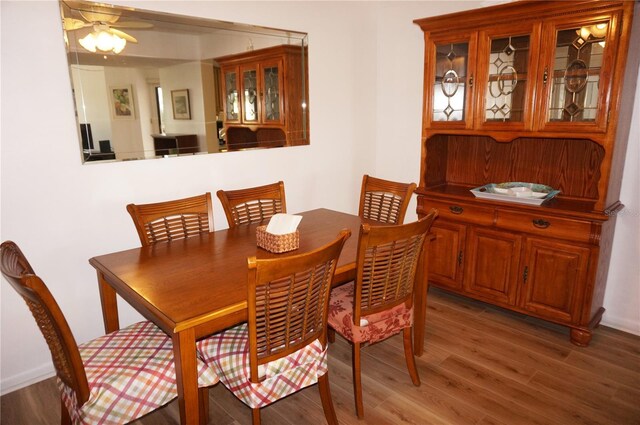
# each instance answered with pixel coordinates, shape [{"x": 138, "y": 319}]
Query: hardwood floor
[{"x": 482, "y": 365}]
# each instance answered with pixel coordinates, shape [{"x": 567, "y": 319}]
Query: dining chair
[
  {"x": 283, "y": 347},
  {"x": 252, "y": 205},
  {"x": 113, "y": 379},
  {"x": 379, "y": 303},
  {"x": 171, "y": 220},
  {"x": 383, "y": 200}
]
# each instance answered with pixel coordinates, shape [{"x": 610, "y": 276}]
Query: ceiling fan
[{"x": 105, "y": 35}]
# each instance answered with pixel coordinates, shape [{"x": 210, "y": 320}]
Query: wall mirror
[{"x": 155, "y": 85}]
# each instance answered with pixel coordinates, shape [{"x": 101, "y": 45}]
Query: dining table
[{"x": 197, "y": 286}]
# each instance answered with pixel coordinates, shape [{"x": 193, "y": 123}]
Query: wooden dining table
[{"x": 194, "y": 287}]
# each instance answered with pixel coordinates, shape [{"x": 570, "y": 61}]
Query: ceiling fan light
[
  {"x": 599, "y": 30},
  {"x": 104, "y": 41},
  {"x": 585, "y": 33},
  {"x": 118, "y": 44},
  {"x": 88, "y": 42}
]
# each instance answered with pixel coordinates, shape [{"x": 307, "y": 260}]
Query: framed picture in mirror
[
  {"x": 122, "y": 102},
  {"x": 180, "y": 103}
]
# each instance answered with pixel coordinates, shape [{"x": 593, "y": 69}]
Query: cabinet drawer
[
  {"x": 544, "y": 225},
  {"x": 461, "y": 212}
]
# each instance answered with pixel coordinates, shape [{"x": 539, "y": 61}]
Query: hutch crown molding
[{"x": 529, "y": 91}]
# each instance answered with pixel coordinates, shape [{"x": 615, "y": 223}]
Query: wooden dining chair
[
  {"x": 380, "y": 302},
  {"x": 113, "y": 379},
  {"x": 252, "y": 205},
  {"x": 171, "y": 220},
  {"x": 384, "y": 201},
  {"x": 283, "y": 348}
]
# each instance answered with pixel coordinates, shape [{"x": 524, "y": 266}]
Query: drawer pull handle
[
  {"x": 541, "y": 223},
  {"x": 456, "y": 209}
]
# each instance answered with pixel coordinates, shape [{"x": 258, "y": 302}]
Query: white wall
[
  {"x": 92, "y": 90},
  {"x": 179, "y": 77},
  {"x": 365, "y": 103},
  {"x": 127, "y": 133}
]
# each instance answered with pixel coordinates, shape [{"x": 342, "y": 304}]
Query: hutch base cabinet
[{"x": 529, "y": 91}]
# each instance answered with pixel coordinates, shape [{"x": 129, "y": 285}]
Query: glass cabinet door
[
  {"x": 231, "y": 100},
  {"x": 271, "y": 92},
  {"x": 451, "y": 80},
  {"x": 250, "y": 95},
  {"x": 505, "y": 69},
  {"x": 577, "y": 75}
]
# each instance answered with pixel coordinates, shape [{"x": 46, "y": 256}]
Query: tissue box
[{"x": 277, "y": 243}]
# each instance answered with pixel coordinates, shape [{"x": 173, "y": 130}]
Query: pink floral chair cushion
[
  {"x": 130, "y": 372},
  {"x": 374, "y": 327},
  {"x": 228, "y": 354}
]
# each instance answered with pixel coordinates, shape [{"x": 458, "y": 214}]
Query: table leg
[
  {"x": 109, "y": 305},
  {"x": 184, "y": 351},
  {"x": 420, "y": 298}
]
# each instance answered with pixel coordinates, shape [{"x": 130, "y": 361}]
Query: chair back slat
[
  {"x": 253, "y": 205},
  {"x": 383, "y": 207},
  {"x": 388, "y": 258},
  {"x": 256, "y": 210},
  {"x": 172, "y": 220},
  {"x": 288, "y": 302},
  {"x": 49, "y": 318},
  {"x": 384, "y": 201}
]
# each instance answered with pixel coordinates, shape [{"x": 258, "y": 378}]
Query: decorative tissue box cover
[{"x": 277, "y": 243}]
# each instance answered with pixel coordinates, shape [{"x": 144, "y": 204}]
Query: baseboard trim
[
  {"x": 27, "y": 378},
  {"x": 621, "y": 324}
]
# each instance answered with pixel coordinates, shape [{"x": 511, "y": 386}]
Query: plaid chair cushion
[
  {"x": 130, "y": 373},
  {"x": 228, "y": 354},
  {"x": 374, "y": 327}
]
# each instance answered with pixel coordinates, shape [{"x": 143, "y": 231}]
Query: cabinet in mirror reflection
[{"x": 272, "y": 87}]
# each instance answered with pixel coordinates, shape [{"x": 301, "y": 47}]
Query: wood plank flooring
[{"x": 482, "y": 365}]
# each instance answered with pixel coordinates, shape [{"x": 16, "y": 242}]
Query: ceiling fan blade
[
  {"x": 100, "y": 14},
  {"x": 133, "y": 24},
  {"x": 123, "y": 34},
  {"x": 71, "y": 24}
]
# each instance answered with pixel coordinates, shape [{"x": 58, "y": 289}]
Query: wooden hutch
[
  {"x": 529, "y": 91},
  {"x": 265, "y": 94}
]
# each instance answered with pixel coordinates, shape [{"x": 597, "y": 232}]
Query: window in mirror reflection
[{"x": 247, "y": 85}]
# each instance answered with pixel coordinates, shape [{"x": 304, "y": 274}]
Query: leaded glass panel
[
  {"x": 249, "y": 85},
  {"x": 271, "y": 94},
  {"x": 231, "y": 96},
  {"x": 449, "y": 89},
  {"x": 576, "y": 73},
  {"x": 506, "y": 88}
]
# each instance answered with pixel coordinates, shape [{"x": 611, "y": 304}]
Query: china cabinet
[
  {"x": 529, "y": 91},
  {"x": 264, "y": 89}
]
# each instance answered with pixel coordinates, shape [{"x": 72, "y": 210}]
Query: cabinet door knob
[
  {"x": 456, "y": 209},
  {"x": 545, "y": 76},
  {"x": 471, "y": 81},
  {"x": 541, "y": 223}
]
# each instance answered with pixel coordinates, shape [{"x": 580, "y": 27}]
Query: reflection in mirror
[{"x": 153, "y": 85}]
